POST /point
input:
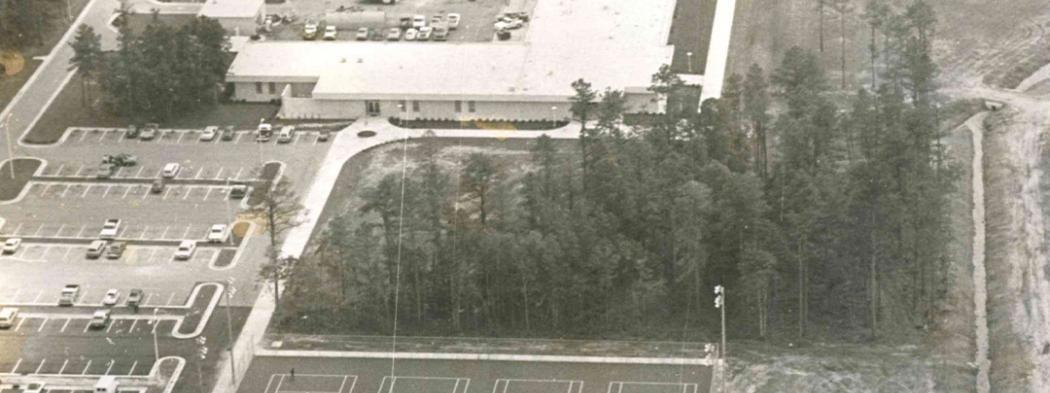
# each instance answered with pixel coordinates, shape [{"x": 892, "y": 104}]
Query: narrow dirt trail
[{"x": 980, "y": 292}]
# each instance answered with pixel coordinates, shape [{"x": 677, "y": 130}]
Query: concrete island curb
[{"x": 219, "y": 288}]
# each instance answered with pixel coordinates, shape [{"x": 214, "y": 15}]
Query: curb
[
  {"x": 207, "y": 311},
  {"x": 489, "y": 357}
]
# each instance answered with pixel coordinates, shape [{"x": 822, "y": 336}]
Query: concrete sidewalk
[
  {"x": 347, "y": 143},
  {"x": 718, "y": 51}
]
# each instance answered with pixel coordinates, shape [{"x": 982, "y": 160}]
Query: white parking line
[
  {"x": 144, "y": 230},
  {"x": 165, "y": 234},
  {"x": 17, "y": 292},
  {"x": 17, "y": 228},
  {"x": 127, "y": 189},
  {"x": 63, "y": 369},
  {"x": 83, "y": 134},
  {"x": 102, "y": 136},
  {"x": 65, "y": 325},
  {"x": 106, "y": 194},
  {"x": 198, "y": 175},
  {"x": 86, "y": 366},
  {"x": 59, "y": 171},
  {"x": 139, "y": 172},
  {"x": 186, "y": 233},
  {"x": 60, "y": 228},
  {"x": 238, "y": 175},
  {"x": 146, "y": 300},
  {"x": 64, "y": 190},
  {"x": 181, "y": 135},
  {"x": 86, "y": 327},
  {"x": 151, "y": 252},
  {"x": 133, "y": 365},
  {"x": 166, "y": 192},
  {"x": 80, "y": 233},
  {"x": 41, "y": 328},
  {"x": 133, "y": 323},
  {"x": 110, "y": 367},
  {"x": 86, "y": 189},
  {"x": 20, "y": 322},
  {"x": 38, "y": 229},
  {"x": 110, "y": 326},
  {"x": 189, "y": 189},
  {"x": 298, "y": 136},
  {"x": 47, "y": 187},
  {"x": 42, "y": 361},
  {"x": 65, "y": 257},
  {"x": 15, "y": 368},
  {"x": 206, "y": 194},
  {"x": 170, "y": 298},
  {"x": 79, "y": 169},
  {"x": 218, "y": 175}
]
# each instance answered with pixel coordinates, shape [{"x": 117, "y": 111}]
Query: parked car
[
  {"x": 511, "y": 24},
  {"x": 69, "y": 295},
  {"x": 134, "y": 298},
  {"x": 185, "y": 250},
  {"x": 120, "y": 160},
  {"x": 131, "y": 132},
  {"x": 11, "y": 245},
  {"x": 419, "y": 21},
  {"x": 95, "y": 249},
  {"x": 410, "y": 34},
  {"x": 217, "y": 233},
  {"x": 111, "y": 298},
  {"x": 310, "y": 30},
  {"x": 228, "y": 133},
  {"x": 436, "y": 19},
  {"x": 157, "y": 187},
  {"x": 405, "y": 22},
  {"x": 105, "y": 170},
  {"x": 330, "y": 32},
  {"x": 453, "y": 21},
  {"x": 209, "y": 133},
  {"x": 286, "y": 134},
  {"x": 171, "y": 170},
  {"x": 7, "y": 317},
  {"x": 264, "y": 131},
  {"x": 424, "y": 33},
  {"x": 239, "y": 191},
  {"x": 394, "y": 34},
  {"x": 323, "y": 136},
  {"x": 362, "y": 34},
  {"x": 115, "y": 250},
  {"x": 99, "y": 319},
  {"x": 440, "y": 34},
  {"x": 110, "y": 229},
  {"x": 149, "y": 131}
]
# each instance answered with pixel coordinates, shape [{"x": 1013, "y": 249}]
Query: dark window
[
  {"x": 470, "y": 106},
  {"x": 459, "y": 106},
  {"x": 415, "y": 106},
  {"x": 258, "y": 87},
  {"x": 403, "y": 106},
  {"x": 273, "y": 87}
]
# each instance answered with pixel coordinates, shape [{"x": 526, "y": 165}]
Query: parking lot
[
  {"x": 133, "y": 255},
  {"x": 118, "y": 136},
  {"x": 77, "y": 365},
  {"x": 171, "y": 192},
  {"x": 65, "y": 326},
  {"x": 92, "y": 296}
]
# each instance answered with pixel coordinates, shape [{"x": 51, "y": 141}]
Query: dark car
[
  {"x": 132, "y": 132},
  {"x": 324, "y": 135},
  {"x": 227, "y": 134},
  {"x": 115, "y": 250},
  {"x": 134, "y": 298},
  {"x": 105, "y": 171},
  {"x": 238, "y": 191},
  {"x": 157, "y": 187},
  {"x": 405, "y": 23}
]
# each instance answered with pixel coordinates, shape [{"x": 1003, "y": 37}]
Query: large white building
[{"x": 612, "y": 44}]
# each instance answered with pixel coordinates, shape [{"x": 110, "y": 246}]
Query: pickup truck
[
  {"x": 69, "y": 295},
  {"x": 110, "y": 229}
]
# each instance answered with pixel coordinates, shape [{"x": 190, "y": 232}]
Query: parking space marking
[
  {"x": 297, "y": 137},
  {"x": 15, "y": 368},
  {"x": 181, "y": 134},
  {"x": 80, "y": 233},
  {"x": 17, "y": 228},
  {"x": 133, "y": 323},
  {"x": 42, "y": 361},
  {"x": 218, "y": 175},
  {"x": 86, "y": 365},
  {"x": 65, "y": 325},
  {"x": 110, "y": 367},
  {"x": 166, "y": 192},
  {"x": 110, "y": 326},
  {"x": 127, "y": 189},
  {"x": 198, "y": 175},
  {"x": 170, "y": 298},
  {"x": 86, "y": 327},
  {"x": 133, "y": 365},
  {"x": 20, "y": 322},
  {"x": 42, "y": 324},
  {"x": 108, "y": 187},
  {"x": 83, "y": 134},
  {"x": 64, "y": 364},
  {"x": 186, "y": 233},
  {"x": 102, "y": 135},
  {"x": 238, "y": 175},
  {"x": 86, "y": 189},
  {"x": 189, "y": 189},
  {"x": 79, "y": 169},
  {"x": 64, "y": 191},
  {"x": 37, "y": 298}
]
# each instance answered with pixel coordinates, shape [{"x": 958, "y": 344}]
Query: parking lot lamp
[
  {"x": 720, "y": 304},
  {"x": 554, "y": 117},
  {"x": 690, "y": 56}
]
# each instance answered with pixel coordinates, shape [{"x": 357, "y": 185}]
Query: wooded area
[{"x": 823, "y": 219}]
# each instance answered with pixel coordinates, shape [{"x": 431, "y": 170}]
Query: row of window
[
  {"x": 415, "y": 106},
  {"x": 272, "y": 87}
]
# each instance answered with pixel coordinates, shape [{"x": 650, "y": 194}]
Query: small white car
[
  {"x": 362, "y": 34},
  {"x": 96, "y": 248},
  {"x": 310, "y": 30},
  {"x": 419, "y": 21},
  {"x": 330, "y": 32},
  {"x": 185, "y": 250},
  {"x": 110, "y": 229},
  {"x": 410, "y": 34},
  {"x": 99, "y": 319},
  {"x": 453, "y": 21},
  {"x": 286, "y": 134},
  {"x": 111, "y": 298},
  {"x": 209, "y": 133},
  {"x": 11, "y": 245},
  {"x": 171, "y": 170},
  {"x": 217, "y": 233}
]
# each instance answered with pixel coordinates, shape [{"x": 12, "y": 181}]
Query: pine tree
[{"x": 87, "y": 57}]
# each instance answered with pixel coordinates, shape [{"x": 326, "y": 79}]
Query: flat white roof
[
  {"x": 231, "y": 8},
  {"x": 612, "y": 44}
]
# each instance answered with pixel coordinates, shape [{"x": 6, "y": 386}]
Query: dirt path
[{"x": 980, "y": 292}]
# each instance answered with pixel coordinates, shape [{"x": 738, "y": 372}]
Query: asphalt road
[{"x": 338, "y": 375}]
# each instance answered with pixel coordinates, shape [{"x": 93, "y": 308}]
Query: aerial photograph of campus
[{"x": 525, "y": 196}]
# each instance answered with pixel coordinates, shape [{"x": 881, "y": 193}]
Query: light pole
[
  {"x": 720, "y": 304},
  {"x": 690, "y": 56},
  {"x": 554, "y": 121},
  {"x": 229, "y": 330}
]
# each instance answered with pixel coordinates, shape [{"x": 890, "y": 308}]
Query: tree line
[
  {"x": 158, "y": 73},
  {"x": 823, "y": 217}
]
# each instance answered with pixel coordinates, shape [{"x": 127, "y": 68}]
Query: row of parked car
[{"x": 410, "y": 28}]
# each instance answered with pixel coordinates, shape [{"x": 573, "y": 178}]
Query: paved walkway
[
  {"x": 718, "y": 51},
  {"x": 346, "y": 144}
]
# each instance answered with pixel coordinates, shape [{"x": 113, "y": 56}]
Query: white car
[
  {"x": 217, "y": 233},
  {"x": 330, "y": 32},
  {"x": 509, "y": 25},
  {"x": 11, "y": 245},
  {"x": 453, "y": 21},
  {"x": 171, "y": 170},
  {"x": 110, "y": 229},
  {"x": 410, "y": 34},
  {"x": 185, "y": 250},
  {"x": 419, "y": 21},
  {"x": 310, "y": 30},
  {"x": 209, "y": 133},
  {"x": 112, "y": 297}
]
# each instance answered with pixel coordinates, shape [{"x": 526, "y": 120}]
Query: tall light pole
[
  {"x": 720, "y": 304},
  {"x": 229, "y": 330},
  {"x": 690, "y": 56},
  {"x": 554, "y": 120}
]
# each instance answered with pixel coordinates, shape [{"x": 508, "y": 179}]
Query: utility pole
[
  {"x": 229, "y": 330},
  {"x": 720, "y": 304}
]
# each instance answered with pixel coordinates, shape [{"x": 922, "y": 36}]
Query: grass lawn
[
  {"x": 68, "y": 111},
  {"x": 10, "y": 84},
  {"x": 691, "y": 32},
  {"x": 24, "y": 169}
]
